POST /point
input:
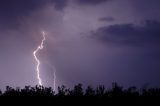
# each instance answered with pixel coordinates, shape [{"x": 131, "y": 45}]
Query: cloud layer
[{"x": 146, "y": 33}]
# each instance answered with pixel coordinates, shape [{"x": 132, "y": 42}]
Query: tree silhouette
[
  {"x": 77, "y": 91},
  {"x": 90, "y": 92},
  {"x": 117, "y": 92},
  {"x": 100, "y": 91},
  {"x": 62, "y": 91}
]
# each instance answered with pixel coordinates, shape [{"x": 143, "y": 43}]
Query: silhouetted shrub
[
  {"x": 90, "y": 91},
  {"x": 100, "y": 91},
  {"x": 77, "y": 91},
  {"x": 117, "y": 90},
  {"x": 62, "y": 91}
]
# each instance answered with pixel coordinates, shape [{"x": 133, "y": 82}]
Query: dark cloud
[
  {"x": 91, "y": 2},
  {"x": 12, "y": 11},
  {"x": 106, "y": 19},
  {"x": 146, "y": 9},
  {"x": 147, "y": 33},
  {"x": 60, "y": 4}
]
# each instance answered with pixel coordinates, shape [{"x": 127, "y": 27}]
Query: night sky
[{"x": 91, "y": 42}]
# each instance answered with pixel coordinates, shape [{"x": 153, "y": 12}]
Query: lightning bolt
[
  {"x": 40, "y": 47},
  {"x": 54, "y": 79}
]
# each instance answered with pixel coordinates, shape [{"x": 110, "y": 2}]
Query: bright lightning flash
[{"x": 40, "y": 47}]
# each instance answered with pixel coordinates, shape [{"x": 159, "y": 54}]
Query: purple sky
[{"x": 88, "y": 41}]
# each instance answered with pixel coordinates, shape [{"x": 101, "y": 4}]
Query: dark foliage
[{"x": 116, "y": 93}]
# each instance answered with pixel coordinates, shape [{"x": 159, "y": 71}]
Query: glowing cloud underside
[{"x": 40, "y": 47}]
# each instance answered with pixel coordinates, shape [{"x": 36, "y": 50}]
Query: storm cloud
[
  {"x": 146, "y": 33},
  {"x": 13, "y": 12},
  {"x": 91, "y": 2}
]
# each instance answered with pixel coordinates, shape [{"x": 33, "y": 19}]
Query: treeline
[{"x": 115, "y": 91}]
